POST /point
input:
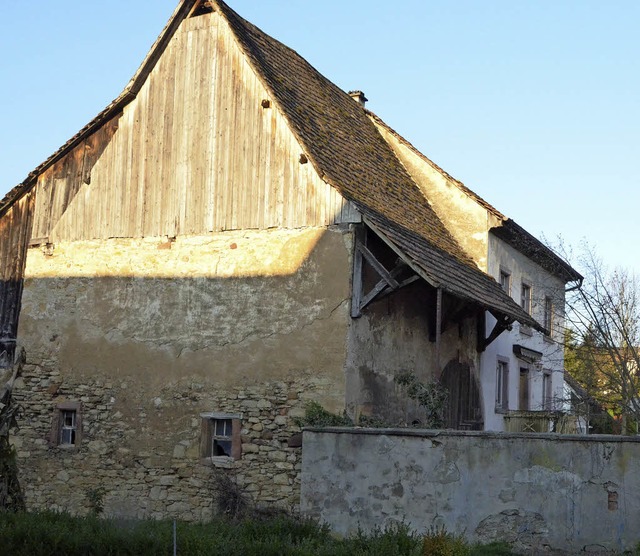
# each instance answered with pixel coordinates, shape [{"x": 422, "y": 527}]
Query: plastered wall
[
  {"x": 539, "y": 492},
  {"x": 147, "y": 334}
]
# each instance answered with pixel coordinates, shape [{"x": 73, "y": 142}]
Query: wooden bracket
[
  {"x": 502, "y": 323},
  {"x": 384, "y": 287}
]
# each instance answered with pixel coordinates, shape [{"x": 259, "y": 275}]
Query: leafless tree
[{"x": 603, "y": 319}]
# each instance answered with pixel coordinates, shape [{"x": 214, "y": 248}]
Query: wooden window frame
[
  {"x": 504, "y": 279},
  {"x": 526, "y": 298},
  {"x": 524, "y": 397},
  {"x": 502, "y": 385},
  {"x": 57, "y": 425},
  {"x": 210, "y": 434},
  {"x": 548, "y": 316},
  {"x": 547, "y": 391}
]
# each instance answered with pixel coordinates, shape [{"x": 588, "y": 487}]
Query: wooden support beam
[
  {"x": 356, "y": 280},
  {"x": 377, "y": 265},
  {"x": 455, "y": 309},
  {"x": 383, "y": 286},
  {"x": 388, "y": 290}
]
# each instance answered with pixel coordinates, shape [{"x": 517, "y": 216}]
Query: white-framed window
[
  {"x": 220, "y": 435},
  {"x": 505, "y": 280},
  {"x": 525, "y": 297},
  {"x": 68, "y": 427},
  {"x": 502, "y": 385},
  {"x": 547, "y": 398},
  {"x": 548, "y": 315}
]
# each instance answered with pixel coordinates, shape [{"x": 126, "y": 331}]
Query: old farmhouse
[{"x": 234, "y": 236}]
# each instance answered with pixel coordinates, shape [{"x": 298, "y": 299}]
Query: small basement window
[
  {"x": 220, "y": 436},
  {"x": 66, "y": 425}
]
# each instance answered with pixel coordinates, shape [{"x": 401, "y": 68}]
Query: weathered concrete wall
[
  {"x": 147, "y": 334},
  {"x": 536, "y": 491}
]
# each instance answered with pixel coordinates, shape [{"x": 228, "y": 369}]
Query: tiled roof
[
  {"x": 350, "y": 154},
  {"x": 508, "y": 230},
  {"x": 347, "y": 151}
]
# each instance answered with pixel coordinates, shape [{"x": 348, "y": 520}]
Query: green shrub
[
  {"x": 431, "y": 396},
  {"x": 317, "y": 416},
  {"x": 46, "y": 533},
  {"x": 396, "y": 539},
  {"x": 439, "y": 542}
]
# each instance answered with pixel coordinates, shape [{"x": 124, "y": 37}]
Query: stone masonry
[{"x": 146, "y": 471}]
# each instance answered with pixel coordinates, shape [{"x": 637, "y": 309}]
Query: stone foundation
[{"x": 144, "y": 451}]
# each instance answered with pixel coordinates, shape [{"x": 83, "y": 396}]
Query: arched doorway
[{"x": 463, "y": 411}]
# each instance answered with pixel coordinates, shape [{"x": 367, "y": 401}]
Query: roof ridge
[
  {"x": 326, "y": 168},
  {"x": 437, "y": 167}
]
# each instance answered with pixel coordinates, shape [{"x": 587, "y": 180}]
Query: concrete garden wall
[{"x": 538, "y": 491}]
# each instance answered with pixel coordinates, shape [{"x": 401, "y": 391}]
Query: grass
[{"x": 46, "y": 533}]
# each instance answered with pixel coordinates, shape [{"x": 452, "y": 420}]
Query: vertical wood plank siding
[
  {"x": 15, "y": 228},
  {"x": 194, "y": 152}
]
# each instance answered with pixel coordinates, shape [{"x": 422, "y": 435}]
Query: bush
[
  {"x": 431, "y": 396},
  {"x": 317, "y": 416},
  {"x": 439, "y": 542}
]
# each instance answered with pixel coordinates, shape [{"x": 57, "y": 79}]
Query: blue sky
[{"x": 533, "y": 105}]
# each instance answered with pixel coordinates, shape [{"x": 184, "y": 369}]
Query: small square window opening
[
  {"x": 66, "y": 425},
  {"x": 221, "y": 440},
  {"x": 220, "y": 436}
]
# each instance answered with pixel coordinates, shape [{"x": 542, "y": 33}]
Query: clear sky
[{"x": 535, "y": 105}]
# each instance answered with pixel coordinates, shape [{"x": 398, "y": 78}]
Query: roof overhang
[{"x": 493, "y": 299}]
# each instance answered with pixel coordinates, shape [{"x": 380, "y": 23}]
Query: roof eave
[{"x": 516, "y": 313}]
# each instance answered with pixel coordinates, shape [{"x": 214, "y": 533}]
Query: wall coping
[{"x": 493, "y": 435}]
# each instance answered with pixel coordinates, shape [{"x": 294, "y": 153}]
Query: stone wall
[
  {"x": 145, "y": 452},
  {"x": 145, "y": 335},
  {"x": 540, "y": 492}
]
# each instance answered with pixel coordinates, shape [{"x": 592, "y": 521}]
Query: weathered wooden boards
[{"x": 196, "y": 151}]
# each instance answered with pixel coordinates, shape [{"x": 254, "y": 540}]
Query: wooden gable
[{"x": 201, "y": 148}]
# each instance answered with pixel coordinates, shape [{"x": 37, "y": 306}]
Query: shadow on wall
[{"x": 250, "y": 303}]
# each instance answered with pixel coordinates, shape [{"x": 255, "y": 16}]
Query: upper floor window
[
  {"x": 525, "y": 297},
  {"x": 502, "y": 385},
  {"x": 505, "y": 281},
  {"x": 548, "y": 315}
]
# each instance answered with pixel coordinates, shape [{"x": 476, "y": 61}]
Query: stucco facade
[
  {"x": 147, "y": 335},
  {"x": 535, "y": 380},
  {"x": 542, "y": 493}
]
